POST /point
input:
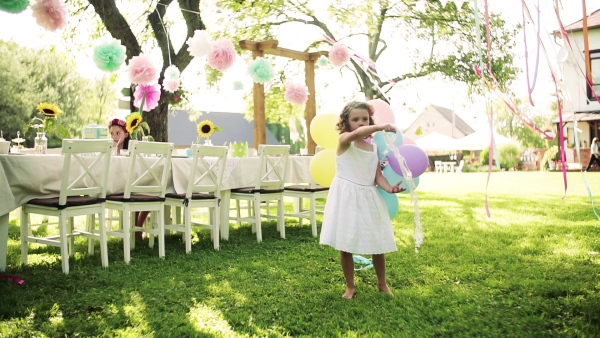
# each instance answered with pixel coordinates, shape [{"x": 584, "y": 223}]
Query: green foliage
[
  {"x": 531, "y": 264},
  {"x": 507, "y": 153},
  {"x": 510, "y": 125},
  {"x": 34, "y": 76},
  {"x": 449, "y": 31},
  {"x": 509, "y": 156},
  {"x": 550, "y": 155}
]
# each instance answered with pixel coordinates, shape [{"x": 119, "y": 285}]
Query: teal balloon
[
  {"x": 380, "y": 142},
  {"x": 391, "y": 202},
  {"x": 392, "y": 177}
]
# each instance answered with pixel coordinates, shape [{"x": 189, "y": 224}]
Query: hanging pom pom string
[
  {"x": 166, "y": 34},
  {"x": 406, "y": 173}
]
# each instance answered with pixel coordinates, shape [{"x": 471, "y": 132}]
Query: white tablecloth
[{"x": 28, "y": 176}]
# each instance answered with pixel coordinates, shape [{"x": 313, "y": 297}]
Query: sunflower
[
  {"x": 134, "y": 120},
  {"x": 48, "y": 109},
  {"x": 206, "y": 128}
]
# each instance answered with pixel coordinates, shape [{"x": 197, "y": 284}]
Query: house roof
[
  {"x": 587, "y": 116},
  {"x": 593, "y": 21},
  {"x": 183, "y": 132},
  {"x": 459, "y": 123}
]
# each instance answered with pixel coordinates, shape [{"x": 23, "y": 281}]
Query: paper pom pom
[
  {"x": 142, "y": 70},
  {"x": 296, "y": 93},
  {"x": 13, "y": 6},
  {"x": 50, "y": 14},
  {"x": 200, "y": 44},
  {"x": 172, "y": 73},
  {"x": 222, "y": 55},
  {"x": 339, "y": 54},
  {"x": 152, "y": 93},
  {"x": 238, "y": 85},
  {"x": 260, "y": 70},
  {"x": 109, "y": 55},
  {"x": 323, "y": 61},
  {"x": 171, "y": 85}
]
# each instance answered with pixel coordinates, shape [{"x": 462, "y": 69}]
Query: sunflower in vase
[
  {"x": 205, "y": 129},
  {"x": 135, "y": 126},
  {"x": 46, "y": 124}
]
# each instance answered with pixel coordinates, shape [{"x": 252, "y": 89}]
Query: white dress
[{"x": 356, "y": 219}]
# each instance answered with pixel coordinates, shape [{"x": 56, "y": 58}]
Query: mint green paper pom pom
[
  {"x": 260, "y": 70},
  {"x": 238, "y": 85},
  {"x": 109, "y": 55},
  {"x": 14, "y": 6},
  {"x": 323, "y": 61}
]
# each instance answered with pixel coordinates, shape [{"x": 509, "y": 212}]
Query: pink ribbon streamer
[
  {"x": 530, "y": 87},
  {"x": 14, "y": 279}
]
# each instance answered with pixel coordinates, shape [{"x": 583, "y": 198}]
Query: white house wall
[{"x": 574, "y": 80}]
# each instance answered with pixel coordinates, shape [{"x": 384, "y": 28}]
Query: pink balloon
[
  {"x": 416, "y": 159},
  {"x": 383, "y": 112},
  {"x": 408, "y": 140}
]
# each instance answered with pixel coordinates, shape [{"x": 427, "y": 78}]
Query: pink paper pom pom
[
  {"x": 142, "y": 70},
  {"x": 50, "y": 14},
  {"x": 222, "y": 55},
  {"x": 171, "y": 85},
  {"x": 339, "y": 54},
  {"x": 296, "y": 93},
  {"x": 152, "y": 93}
]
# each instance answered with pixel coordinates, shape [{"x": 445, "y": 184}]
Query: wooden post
[
  {"x": 586, "y": 49},
  {"x": 260, "y": 125},
  {"x": 258, "y": 91},
  {"x": 311, "y": 105}
]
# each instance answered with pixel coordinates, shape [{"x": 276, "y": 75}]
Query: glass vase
[
  {"x": 40, "y": 143},
  {"x": 208, "y": 142}
]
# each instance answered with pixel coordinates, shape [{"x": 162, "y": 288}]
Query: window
[{"x": 595, "y": 69}]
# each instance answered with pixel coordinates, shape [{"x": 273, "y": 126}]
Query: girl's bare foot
[
  {"x": 349, "y": 293},
  {"x": 384, "y": 288}
]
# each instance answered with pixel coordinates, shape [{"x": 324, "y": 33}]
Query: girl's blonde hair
[{"x": 344, "y": 122}]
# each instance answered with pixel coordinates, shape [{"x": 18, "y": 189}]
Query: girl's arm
[
  {"x": 360, "y": 133},
  {"x": 383, "y": 183}
]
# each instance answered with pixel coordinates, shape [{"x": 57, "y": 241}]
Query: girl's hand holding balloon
[
  {"x": 388, "y": 127},
  {"x": 396, "y": 188}
]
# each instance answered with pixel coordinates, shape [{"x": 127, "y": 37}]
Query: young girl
[
  {"x": 119, "y": 134},
  {"x": 356, "y": 219}
]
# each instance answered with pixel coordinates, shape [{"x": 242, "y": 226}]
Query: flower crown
[{"x": 117, "y": 122}]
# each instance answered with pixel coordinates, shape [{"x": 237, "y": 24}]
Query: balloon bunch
[{"x": 324, "y": 133}]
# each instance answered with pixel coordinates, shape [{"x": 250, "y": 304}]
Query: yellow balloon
[
  {"x": 322, "y": 167},
  {"x": 323, "y": 130}
]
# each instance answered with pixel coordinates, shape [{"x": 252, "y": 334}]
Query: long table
[{"x": 25, "y": 177}]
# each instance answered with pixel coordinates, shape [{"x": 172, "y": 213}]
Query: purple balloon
[{"x": 416, "y": 159}]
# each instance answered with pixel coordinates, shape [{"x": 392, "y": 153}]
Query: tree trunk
[{"x": 158, "y": 120}]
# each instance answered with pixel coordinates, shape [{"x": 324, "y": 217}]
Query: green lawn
[{"x": 530, "y": 270}]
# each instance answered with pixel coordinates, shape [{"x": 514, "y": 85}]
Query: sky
[{"x": 413, "y": 96}]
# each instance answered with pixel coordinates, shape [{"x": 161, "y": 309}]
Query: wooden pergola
[{"x": 258, "y": 91}]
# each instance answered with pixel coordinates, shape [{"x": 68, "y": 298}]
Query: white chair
[
  {"x": 82, "y": 192},
  {"x": 268, "y": 187},
  {"x": 461, "y": 164},
  {"x": 203, "y": 191},
  {"x": 144, "y": 191},
  {"x": 439, "y": 167},
  {"x": 310, "y": 191}
]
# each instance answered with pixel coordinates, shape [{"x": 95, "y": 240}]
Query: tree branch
[{"x": 116, "y": 25}]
